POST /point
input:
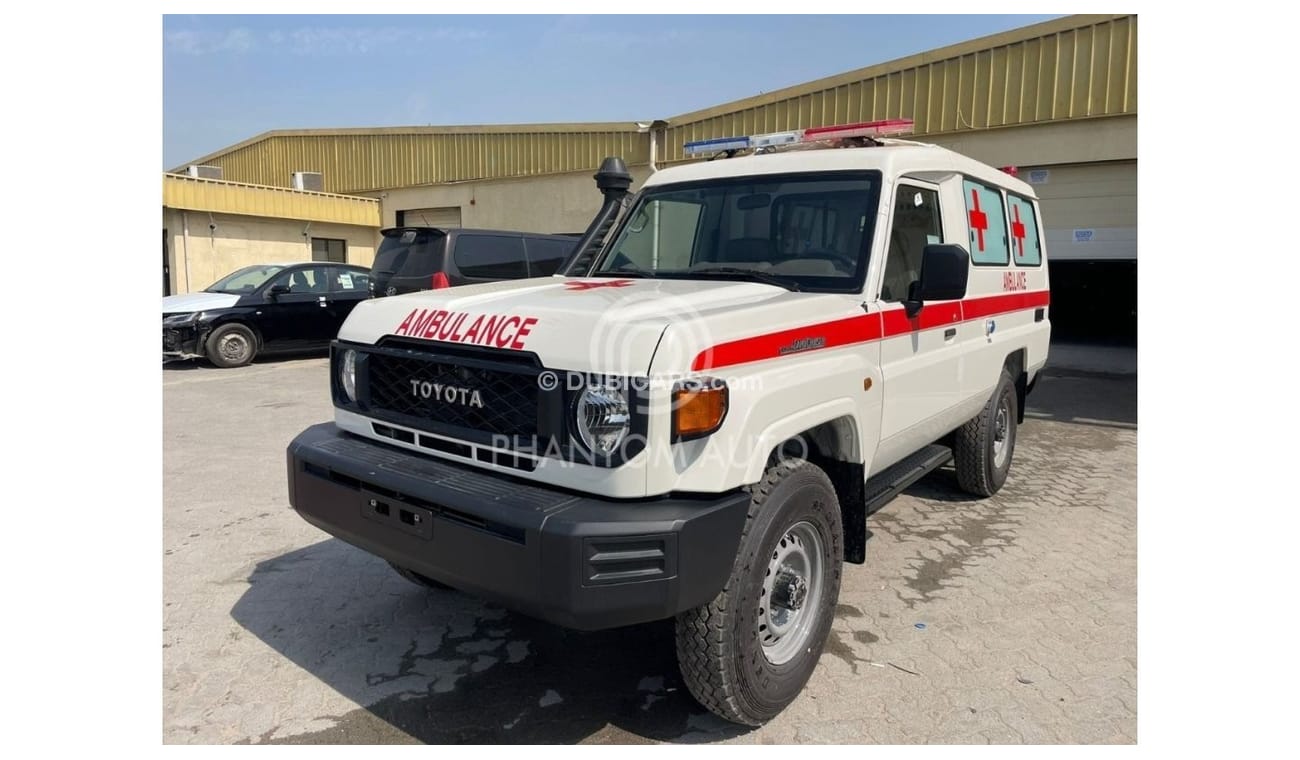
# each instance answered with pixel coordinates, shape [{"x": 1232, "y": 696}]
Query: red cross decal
[
  {"x": 979, "y": 221},
  {"x": 591, "y": 284},
  {"x": 1018, "y": 232}
]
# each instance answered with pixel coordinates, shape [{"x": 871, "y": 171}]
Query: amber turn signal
[{"x": 699, "y": 406}]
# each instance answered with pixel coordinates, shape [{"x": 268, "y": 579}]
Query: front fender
[{"x": 785, "y": 429}]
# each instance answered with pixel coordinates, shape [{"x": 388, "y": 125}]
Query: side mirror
[
  {"x": 945, "y": 270},
  {"x": 277, "y": 290}
]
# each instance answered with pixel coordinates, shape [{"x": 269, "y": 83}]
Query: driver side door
[
  {"x": 921, "y": 355},
  {"x": 300, "y": 318}
]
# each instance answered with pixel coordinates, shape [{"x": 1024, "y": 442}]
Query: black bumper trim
[{"x": 578, "y": 561}]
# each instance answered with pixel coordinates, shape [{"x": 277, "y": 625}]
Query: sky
[{"x": 227, "y": 78}]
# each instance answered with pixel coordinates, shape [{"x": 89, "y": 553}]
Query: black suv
[{"x": 428, "y": 258}]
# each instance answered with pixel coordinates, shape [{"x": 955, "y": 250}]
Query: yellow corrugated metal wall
[
  {"x": 220, "y": 196},
  {"x": 1078, "y": 67},
  {"x": 1071, "y": 68},
  {"x": 361, "y": 162}
]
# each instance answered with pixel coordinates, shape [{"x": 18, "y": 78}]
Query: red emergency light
[{"x": 882, "y": 128}]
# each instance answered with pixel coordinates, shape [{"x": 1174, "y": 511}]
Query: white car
[{"x": 766, "y": 349}]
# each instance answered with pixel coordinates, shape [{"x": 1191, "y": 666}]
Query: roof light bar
[
  {"x": 716, "y": 144},
  {"x": 776, "y": 138},
  {"x": 883, "y": 128}
]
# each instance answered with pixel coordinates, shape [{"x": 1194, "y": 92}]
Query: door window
[
  {"x": 915, "y": 225},
  {"x": 307, "y": 280},
  {"x": 546, "y": 256},
  {"x": 491, "y": 257},
  {"x": 350, "y": 281}
]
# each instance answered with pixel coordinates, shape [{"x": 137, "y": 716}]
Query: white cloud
[
  {"x": 194, "y": 42},
  {"x": 314, "y": 40},
  {"x": 347, "y": 40}
]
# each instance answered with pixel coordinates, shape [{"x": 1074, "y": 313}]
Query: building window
[{"x": 325, "y": 249}]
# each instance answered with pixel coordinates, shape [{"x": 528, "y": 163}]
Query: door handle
[{"x": 950, "y": 333}]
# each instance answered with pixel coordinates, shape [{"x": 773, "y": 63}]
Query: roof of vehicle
[
  {"x": 287, "y": 264},
  {"x": 462, "y": 230},
  {"x": 893, "y": 158}
]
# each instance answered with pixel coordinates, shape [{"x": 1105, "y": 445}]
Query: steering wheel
[{"x": 850, "y": 262}]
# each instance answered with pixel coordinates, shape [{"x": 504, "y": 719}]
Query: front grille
[
  {"x": 171, "y": 340},
  {"x": 509, "y": 399}
]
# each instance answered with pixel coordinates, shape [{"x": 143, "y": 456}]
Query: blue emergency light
[{"x": 717, "y": 145}]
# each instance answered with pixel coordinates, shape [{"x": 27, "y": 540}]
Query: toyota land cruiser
[{"x": 739, "y": 364}]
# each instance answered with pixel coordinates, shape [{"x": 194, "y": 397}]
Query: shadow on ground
[
  {"x": 1084, "y": 399},
  {"x": 443, "y": 667},
  {"x": 189, "y": 365}
]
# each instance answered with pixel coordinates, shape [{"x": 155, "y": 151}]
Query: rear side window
[
  {"x": 546, "y": 256},
  {"x": 491, "y": 257},
  {"x": 350, "y": 281},
  {"x": 988, "y": 225},
  {"x": 1026, "y": 245},
  {"x": 408, "y": 253}
]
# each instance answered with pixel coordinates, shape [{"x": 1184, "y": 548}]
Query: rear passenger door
[
  {"x": 484, "y": 258},
  {"x": 921, "y": 355},
  {"x": 545, "y": 256},
  {"x": 348, "y": 287}
]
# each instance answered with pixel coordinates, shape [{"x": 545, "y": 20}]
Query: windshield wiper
[
  {"x": 752, "y": 274},
  {"x": 630, "y": 269}
]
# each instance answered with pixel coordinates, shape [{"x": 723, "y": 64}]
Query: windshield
[
  {"x": 245, "y": 280},
  {"x": 408, "y": 252},
  {"x": 804, "y": 232}
]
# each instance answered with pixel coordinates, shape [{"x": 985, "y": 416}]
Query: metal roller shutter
[
  {"x": 444, "y": 218},
  {"x": 1089, "y": 210}
]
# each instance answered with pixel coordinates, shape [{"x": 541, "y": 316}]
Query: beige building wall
[
  {"x": 554, "y": 203},
  {"x": 207, "y": 253}
]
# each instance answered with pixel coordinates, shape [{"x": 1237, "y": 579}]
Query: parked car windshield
[
  {"x": 803, "y": 232},
  {"x": 245, "y": 280}
]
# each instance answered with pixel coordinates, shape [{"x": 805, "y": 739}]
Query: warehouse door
[
  {"x": 1090, "y": 220},
  {"x": 443, "y": 218},
  {"x": 1089, "y": 210}
]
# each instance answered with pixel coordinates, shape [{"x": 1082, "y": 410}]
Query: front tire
[
  {"x": 232, "y": 345},
  {"x": 747, "y": 654},
  {"x": 984, "y": 445}
]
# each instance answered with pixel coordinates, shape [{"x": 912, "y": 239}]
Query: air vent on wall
[
  {"x": 204, "y": 172},
  {"x": 308, "y": 181}
]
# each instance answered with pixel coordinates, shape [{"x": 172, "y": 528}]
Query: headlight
[
  {"x": 601, "y": 418},
  {"x": 180, "y": 320},
  {"x": 348, "y": 374}
]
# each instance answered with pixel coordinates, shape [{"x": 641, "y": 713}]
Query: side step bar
[{"x": 882, "y": 487}]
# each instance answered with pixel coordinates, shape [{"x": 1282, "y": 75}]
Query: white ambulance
[{"x": 696, "y": 421}]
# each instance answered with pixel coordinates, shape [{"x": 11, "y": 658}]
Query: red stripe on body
[
  {"x": 863, "y": 329},
  {"x": 841, "y": 332},
  {"x": 988, "y": 306}
]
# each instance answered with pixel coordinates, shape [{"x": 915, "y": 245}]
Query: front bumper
[
  {"x": 577, "y": 561},
  {"x": 180, "y": 343}
]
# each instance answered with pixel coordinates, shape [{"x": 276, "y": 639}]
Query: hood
[
  {"x": 603, "y": 325},
  {"x": 200, "y": 301}
]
